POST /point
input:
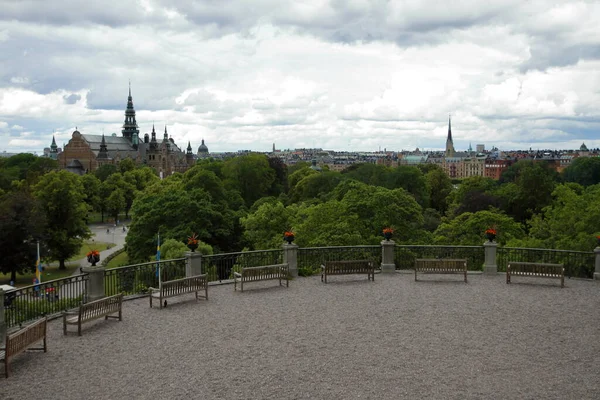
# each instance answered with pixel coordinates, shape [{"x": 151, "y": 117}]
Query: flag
[
  {"x": 158, "y": 259},
  {"x": 38, "y": 266}
]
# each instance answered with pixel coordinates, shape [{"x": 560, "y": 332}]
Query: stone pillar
[
  {"x": 597, "y": 263},
  {"x": 95, "y": 283},
  {"x": 2, "y": 321},
  {"x": 290, "y": 257},
  {"x": 193, "y": 263},
  {"x": 388, "y": 266},
  {"x": 490, "y": 267}
]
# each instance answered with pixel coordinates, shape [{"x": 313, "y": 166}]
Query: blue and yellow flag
[
  {"x": 158, "y": 257},
  {"x": 38, "y": 266}
]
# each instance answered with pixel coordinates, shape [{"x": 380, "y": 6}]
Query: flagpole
[
  {"x": 158, "y": 261},
  {"x": 38, "y": 264}
]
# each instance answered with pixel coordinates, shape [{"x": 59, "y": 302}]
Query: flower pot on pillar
[{"x": 289, "y": 237}]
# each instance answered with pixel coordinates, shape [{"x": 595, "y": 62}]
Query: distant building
[{"x": 86, "y": 153}]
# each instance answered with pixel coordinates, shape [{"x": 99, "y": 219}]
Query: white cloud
[{"x": 355, "y": 75}]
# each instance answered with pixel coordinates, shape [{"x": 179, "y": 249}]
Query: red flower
[
  {"x": 193, "y": 239},
  {"x": 388, "y": 231},
  {"x": 93, "y": 253},
  {"x": 490, "y": 231},
  {"x": 288, "y": 234}
]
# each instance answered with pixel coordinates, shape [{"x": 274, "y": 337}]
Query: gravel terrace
[{"x": 394, "y": 338}]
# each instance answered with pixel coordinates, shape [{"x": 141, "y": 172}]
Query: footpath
[{"x": 104, "y": 233}]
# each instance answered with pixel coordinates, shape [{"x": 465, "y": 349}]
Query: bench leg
[
  {"x": 507, "y": 275},
  {"x": 64, "y": 324},
  {"x": 150, "y": 300},
  {"x": 466, "y": 277},
  {"x": 415, "y": 274},
  {"x": 562, "y": 281},
  {"x": 79, "y": 327},
  {"x": 6, "y": 367}
]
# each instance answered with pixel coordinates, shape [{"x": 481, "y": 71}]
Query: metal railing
[
  {"x": 48, "y": 298},
  {"x": 136, "y": 279},
  {"x": 578, "y": 264},
  {"x": 405, "y": 255},
  {"x": 313, "y": 257},
  {"x": 220, "y": 267}
]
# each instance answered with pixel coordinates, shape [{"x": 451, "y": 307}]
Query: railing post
[
  {"x": 597, "y": 264},
  {"x": 95, "y": 283},
  {"x": 388, "y": 266},
  {"x": 490, "y": 267},
  {"x": 2, "y": 321},
  {"x": 193, "y": 263},
  {"x": 290, "y": 257}
]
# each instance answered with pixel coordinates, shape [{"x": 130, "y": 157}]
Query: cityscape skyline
[{"x": 343, "y": 76}]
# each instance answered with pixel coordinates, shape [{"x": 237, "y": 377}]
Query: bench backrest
[
  {"x": 538, "y": 269},
  {"x": 276, "y": 271},
  {"x": 445, "y": 264},
  {"x": 349, "y": 266},
  {"x": 20, "y": 340},
  {"x": 184, "y": 285},
  {"x": 97, "y": 308}
]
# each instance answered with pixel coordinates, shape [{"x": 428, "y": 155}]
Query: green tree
[
  {"x": 21, "y": 225},
  {"x": 469, "y": 228},
  {"x": 315, "y": 186},
  {"x": 264, "y": 226},
  {"x": 104, "y": 171},
  {"x": 583, "y": 170},
  {"x": 251, "y": 175},
  {"x": 91, "y": 191},
  {"x": 439, "y": 187},
  {"x": 63, "y": 202}
]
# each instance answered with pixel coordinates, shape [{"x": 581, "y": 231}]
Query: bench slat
[
  {"x": 176, "y": 287},
  {"x": 348, "y": 267},
  {"x": 94, "y": 310},
  {"x": 261, "y": 273},
  {"x": 536, "y": 270},
  {"x": 441, "y": 266},
  {"x": 21, "y": 340}
]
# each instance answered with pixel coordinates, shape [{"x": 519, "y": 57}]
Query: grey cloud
[{"x": 72, "y": 99}]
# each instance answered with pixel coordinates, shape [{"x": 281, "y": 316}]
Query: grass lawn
[
  {"x": 87, "y": 246},
  {"x": 118, "y": 261},
  {"x": 49, "y": 273}
]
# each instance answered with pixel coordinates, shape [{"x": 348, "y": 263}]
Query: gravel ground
[{"x": 438, "y": 338}]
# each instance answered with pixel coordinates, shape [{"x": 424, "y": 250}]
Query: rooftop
[{"x": 389, "y": 339}]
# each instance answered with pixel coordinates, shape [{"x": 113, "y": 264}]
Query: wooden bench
[
  {"x": 94, "y": 310},
  {"x": 539, "y": 270},
  {"x": 262, "y": 273},
  {"x": 177, "y": 287},
  {"x": 441, "y": 266},
  {"x": 20, "y": 341},
  {"x": 348, "y": 267}
]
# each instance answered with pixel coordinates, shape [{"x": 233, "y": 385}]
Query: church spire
[
  {"x": 449, "y": 143},
  {"x": 130, "y": 126},
  {"x": 103, "y": 153}
]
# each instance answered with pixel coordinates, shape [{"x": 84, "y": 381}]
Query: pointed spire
[
  {"x": 53, "y": 145},
  {"x": 450, "y": 152},
  {"x": 103, "y": 153},
  {"x": 189, "y": 148}
]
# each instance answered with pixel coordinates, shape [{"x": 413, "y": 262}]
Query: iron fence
[
  {"x": 136, "y": 279},
  {"x": 220, "y": 267},
  {"x": 310, "y": 259},
  {"x": 48, "y": 298},
  {"x": 578, "y": 264},
  {"x": 405, "y": 255}
]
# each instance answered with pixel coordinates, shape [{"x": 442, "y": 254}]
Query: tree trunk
[
  {"x": 13, "y": 276},
  {"x": 61, "y": 264},
  {"x": 102, "y": 216}
]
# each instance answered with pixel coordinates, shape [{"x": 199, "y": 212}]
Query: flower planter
[
  {"x": 490, "y": 237},
  {"x": 93, "y": 259},
  {"x": 289, "y": 239},
  {"x": 387, "y": 236},
  {"x": 192, "y": 247}
]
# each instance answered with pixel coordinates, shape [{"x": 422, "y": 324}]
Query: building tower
[
  {"x": 130, "y": 127},
  {"x": 449, "y": 144},
  {"x": 202, "y": 150},
  {"x": 53, "y": 149}
]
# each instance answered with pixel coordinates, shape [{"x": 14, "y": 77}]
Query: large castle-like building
[{"x": 86, "y": 153}]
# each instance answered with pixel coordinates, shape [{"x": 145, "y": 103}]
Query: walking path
[
  {"x": 99, "y": 234},
  {"x": 393, "y": 338}
]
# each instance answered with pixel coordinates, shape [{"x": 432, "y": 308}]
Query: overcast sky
[{"x": 338, "y": 74}]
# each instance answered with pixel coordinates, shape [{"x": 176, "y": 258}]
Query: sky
[{"x": 345, "y": 75}]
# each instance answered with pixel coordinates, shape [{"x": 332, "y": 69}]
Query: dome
[
  {"x": 202, "y": 148},
  {"x": 583, "y": 147}
]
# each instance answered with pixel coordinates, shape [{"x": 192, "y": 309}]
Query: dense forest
[{"x": 247, "y": 202}]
